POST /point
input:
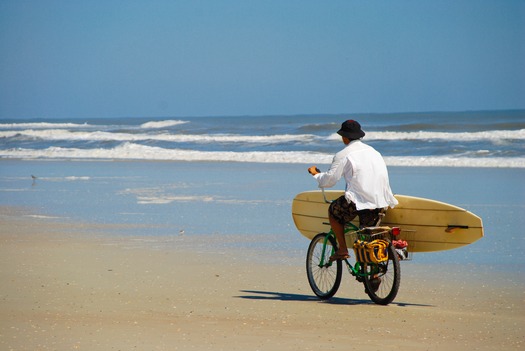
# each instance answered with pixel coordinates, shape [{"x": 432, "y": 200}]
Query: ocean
[
  {"x": 231, "y": 180},
  {"x": 452, "y": 139}
]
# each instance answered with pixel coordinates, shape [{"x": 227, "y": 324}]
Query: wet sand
[{"x": 70, "y": 286}]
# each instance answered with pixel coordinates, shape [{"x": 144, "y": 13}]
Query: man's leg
[
  {"x": 339, "y": 231},
  {"x": 339, "y": 213}
]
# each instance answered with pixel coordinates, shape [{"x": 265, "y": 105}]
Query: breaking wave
[
  {"x": 162, "y": 124},
  {"x": 131, "y": 151},
  {"x": 43, "y": 125},
  {"x": 67, "y": 135},
  {"x": 494, "y": 135}
]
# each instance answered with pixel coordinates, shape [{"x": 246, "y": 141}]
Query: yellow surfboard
[{"x": 427, "y": 225}]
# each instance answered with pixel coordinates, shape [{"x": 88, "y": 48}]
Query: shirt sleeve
[{"x": 331, "y": 177}]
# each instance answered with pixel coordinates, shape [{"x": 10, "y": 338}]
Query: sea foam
[
  {"x": 42, "y": 125},
  {"x": 75, "y": 135},
  {"x": 162, "y": 124},
  {"x": 131, "y": 151},
  {"x": 66, "y": 135},
  {"x": 494, "y": 135}
]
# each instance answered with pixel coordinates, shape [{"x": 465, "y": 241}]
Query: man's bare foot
[{"x": 339, "y": 256}]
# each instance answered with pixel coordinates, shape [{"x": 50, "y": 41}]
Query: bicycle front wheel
[
  {"x": 324, "y": 276},
  {"x": 382, "y": 280}
]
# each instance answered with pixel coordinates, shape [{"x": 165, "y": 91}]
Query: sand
[{"x": 71, "y": 286}]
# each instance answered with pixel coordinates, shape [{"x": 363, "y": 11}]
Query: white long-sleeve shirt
[{"x": 365, "y": 173}]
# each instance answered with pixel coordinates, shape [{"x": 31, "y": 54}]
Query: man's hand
[{"x": 313, "y": 170}]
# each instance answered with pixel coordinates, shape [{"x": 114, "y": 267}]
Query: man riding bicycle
[{"x": 367, "y": 185}]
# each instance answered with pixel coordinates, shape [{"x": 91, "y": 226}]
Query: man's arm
[{"x": 330, "y": 178}]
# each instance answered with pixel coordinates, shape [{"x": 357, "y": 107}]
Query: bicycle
[{"x": 377, "y": 267}]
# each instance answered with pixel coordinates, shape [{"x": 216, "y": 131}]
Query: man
[{"x": 367, "y": 185}]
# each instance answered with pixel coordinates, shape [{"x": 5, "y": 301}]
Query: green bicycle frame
[{"x": 354, "y": 270}]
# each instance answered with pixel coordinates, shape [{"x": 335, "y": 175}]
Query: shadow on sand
[{"x": 272, "y": 295}]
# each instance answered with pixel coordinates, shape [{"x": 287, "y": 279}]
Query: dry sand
[{"x": 71, "y": 287}]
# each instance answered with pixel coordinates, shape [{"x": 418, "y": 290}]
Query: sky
[{"x": 183, "y": 58}]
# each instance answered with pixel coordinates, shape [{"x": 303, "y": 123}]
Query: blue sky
[{"x": 157, "y": 58}]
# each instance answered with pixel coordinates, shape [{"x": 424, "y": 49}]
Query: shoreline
[
  {"x": 497, "y": 163},
  {"x": 67, "y": 287}
]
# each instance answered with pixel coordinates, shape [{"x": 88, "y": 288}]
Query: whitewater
[{"x": 484, "y": 139}]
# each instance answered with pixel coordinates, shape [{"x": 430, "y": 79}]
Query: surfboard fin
[{"x": 451, "y": 228}]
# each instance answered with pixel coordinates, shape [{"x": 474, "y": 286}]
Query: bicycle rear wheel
[
  {"x": 382, "y": 280},
  {"x": 324, "y": 276}
]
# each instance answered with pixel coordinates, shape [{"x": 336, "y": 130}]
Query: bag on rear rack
[{"x": 371, "y": 252}]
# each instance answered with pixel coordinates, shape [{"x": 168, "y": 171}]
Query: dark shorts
[{"x": 345, "y": 212}]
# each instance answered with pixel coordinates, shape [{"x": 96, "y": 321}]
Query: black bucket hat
[{"x": 351, "y": 129}]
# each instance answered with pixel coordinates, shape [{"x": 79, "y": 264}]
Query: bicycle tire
[
  {"x": 382, "y": 280},
  {"x": 324, "y": 280}
]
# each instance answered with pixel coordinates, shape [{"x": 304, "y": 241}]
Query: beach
[
  {"x": 78, "y": 277},
  {"x": 68, "y": 291},
  {"x": 65, "y": 288}
]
